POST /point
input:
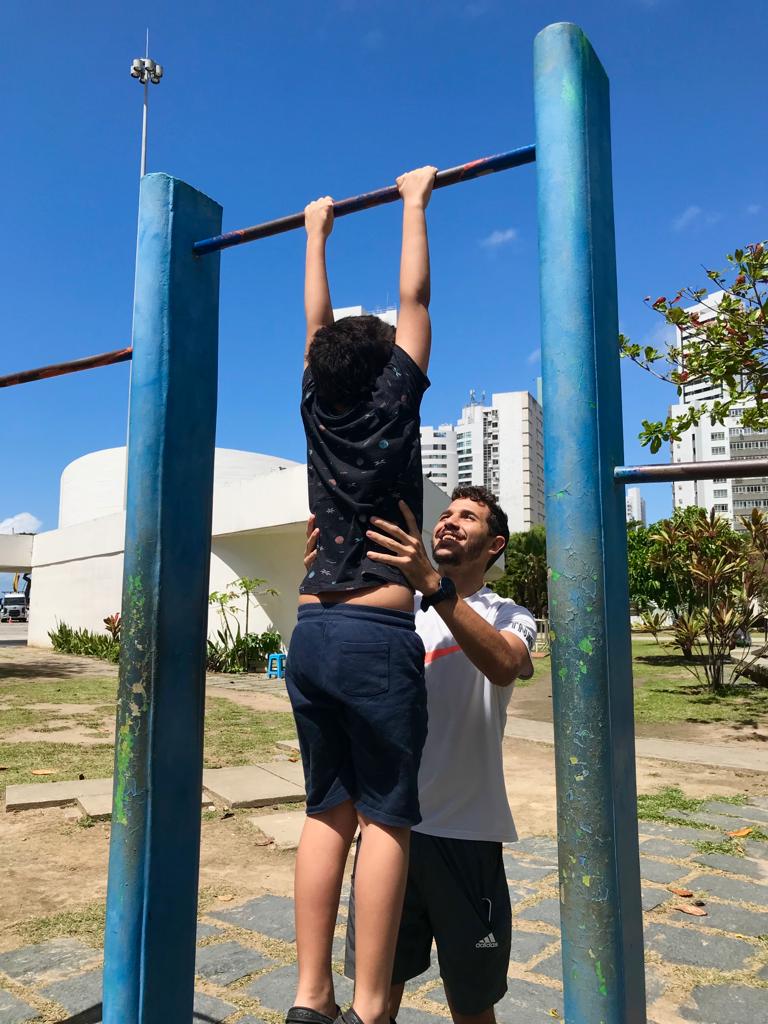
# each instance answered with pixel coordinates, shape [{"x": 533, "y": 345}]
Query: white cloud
[
  {"x": 753, "y": 209},
  {"x": 689, "y": 216},
  {"x": 499, "y": 237},
  {"x": 534, "y": 356},
  {"x": 22, "y": 522}
]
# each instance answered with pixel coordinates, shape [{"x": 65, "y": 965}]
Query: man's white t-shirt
[{"x": 461, "y": 779}]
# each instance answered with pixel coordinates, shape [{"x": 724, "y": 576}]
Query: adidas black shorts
[{"x": 456, "y": 895}]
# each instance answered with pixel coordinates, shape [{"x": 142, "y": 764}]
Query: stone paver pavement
[{"x": 246, "y": 970}]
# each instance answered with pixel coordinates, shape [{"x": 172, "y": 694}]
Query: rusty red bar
[
  {"x": 120, "y": 355},
  {"x": 367, "y": 200}
]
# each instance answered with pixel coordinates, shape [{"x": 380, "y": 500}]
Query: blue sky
[{"x": 266, "y": 105}]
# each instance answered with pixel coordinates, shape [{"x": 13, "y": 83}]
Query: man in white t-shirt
[{"x": 476, "y": 644}]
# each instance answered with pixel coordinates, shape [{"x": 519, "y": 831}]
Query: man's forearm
[
  {"x": 483, "y": 645},
  {"x": 414, "y": 257},
  {"x": 317, "y": 294}
]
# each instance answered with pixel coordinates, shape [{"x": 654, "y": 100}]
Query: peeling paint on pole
[
  {"x": 586, "y": 538},
  {"x": 149, "y": 952}
]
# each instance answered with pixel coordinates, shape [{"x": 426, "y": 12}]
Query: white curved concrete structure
[
  {"x": 259, "y": 528},
  {"x": 93, "y": 486}
]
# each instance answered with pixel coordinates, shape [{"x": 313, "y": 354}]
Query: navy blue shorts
[{"x": 355, "y": 676}]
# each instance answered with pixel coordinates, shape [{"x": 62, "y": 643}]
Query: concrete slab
[
  {"x": 526, "y": 945},
  {"x": 744, "y": 812},
  {"x": 31, "y": 796},
  {"x": 726, "y": 1004},
  {"x": 80, "y": 996},
  {"x": 277, "y": 989},
  {"x": 228, "y": 962},
  {"x": 14, "y": 1011},
  {"x": 730, "y": 889},
  {"x": 269, "y": 915},
  {"x": 283, "y": 829},
  {"x": 210, "y": 1009},
  {"x": 289, "y": 771},
  {"x": 48, "y": 962},
  {"x": 288, "y": 745},
  {"x": 757, "y": 869},
  {"x": 249, "y": 786},
  {"x": 686, "y": 945},
  {"x": 98, "y": 806}
]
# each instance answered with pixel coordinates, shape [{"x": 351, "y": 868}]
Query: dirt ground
[{"x": 49, "y": 863}]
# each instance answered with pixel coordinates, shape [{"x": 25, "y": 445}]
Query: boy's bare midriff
[{"x": 387, "y": 595}]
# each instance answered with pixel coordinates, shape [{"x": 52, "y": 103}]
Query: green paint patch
[
  {"x": 573, "y": 760},
  {"x": 586, "y": 645},
  {"x": 582, "y": 668},
  {"x": 554, "y": 574},
  {"x": 602, "y": 988},
  {"x": 586, "y": 880}
]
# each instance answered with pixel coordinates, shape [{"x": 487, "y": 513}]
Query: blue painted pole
[
  {"x": 154, "y": 851},
  {"x": 600, "y": 909}
]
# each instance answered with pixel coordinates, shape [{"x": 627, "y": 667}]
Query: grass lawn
[
  {"x": 234, "y": 735},
  {"x": 666, "y": 691}
]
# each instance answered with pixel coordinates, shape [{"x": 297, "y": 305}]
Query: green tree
[
  {"x": 716, "y": 580},
  {"x": 730, "y": 349},
  {"x": 525, "y": 572}
]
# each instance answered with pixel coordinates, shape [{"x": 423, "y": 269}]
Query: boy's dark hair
[
  {"x": 346, "y": 357},
  {"x": 498, "y": 524}
]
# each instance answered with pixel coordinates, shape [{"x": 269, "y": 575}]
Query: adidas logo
[{"x": 489, "y": 942}]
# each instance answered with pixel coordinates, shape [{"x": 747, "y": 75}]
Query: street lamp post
[{"x": 145, "y": 70}]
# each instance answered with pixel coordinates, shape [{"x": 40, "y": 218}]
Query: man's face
[{"x": 462, "y": 536}]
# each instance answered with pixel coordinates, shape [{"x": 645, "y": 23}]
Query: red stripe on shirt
[{"x": 431, "y": 656}]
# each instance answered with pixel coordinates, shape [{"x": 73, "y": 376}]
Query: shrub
[{"x": 67, "y": 640}]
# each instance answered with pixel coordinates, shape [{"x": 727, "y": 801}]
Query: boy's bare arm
[
  {"x": 414, "y": 330},
  {"x": 318, "y": 220}
]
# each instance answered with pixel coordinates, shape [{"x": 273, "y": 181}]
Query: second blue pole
[{"x": 600, "y": 909}]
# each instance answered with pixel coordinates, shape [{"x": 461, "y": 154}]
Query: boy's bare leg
[
  {"x": 320, "y": 861},
  {"x": 380, "y": 875},
  {"x": 395, "y": 998}
]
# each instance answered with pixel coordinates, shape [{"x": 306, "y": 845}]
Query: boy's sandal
[
  {"x": 303, "y": 1015},
  {"x": 351, "y": 1017}
]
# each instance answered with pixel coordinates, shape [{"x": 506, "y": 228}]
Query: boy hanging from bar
[{"x": 355, "y": 670}]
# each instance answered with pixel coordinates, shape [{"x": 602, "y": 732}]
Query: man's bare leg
[
  {"x": 484, "y": 1017},
  {"x": 320, "y": 861},
  {"x": 382, "y": 867}
]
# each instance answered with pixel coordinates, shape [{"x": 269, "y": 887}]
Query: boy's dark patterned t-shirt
[{"x": 360, "y": 463}]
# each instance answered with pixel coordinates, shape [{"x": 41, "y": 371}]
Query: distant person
[
  {"x": 477, "y": 644},
  {"x": 355, "y": 670}
]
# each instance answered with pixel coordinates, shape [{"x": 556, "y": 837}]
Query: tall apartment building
[
  {"x": 635, "y": 506},
  {"x": 499, "y": 446},
  {"x": 730, "y": 496},
  {"x": 438, "y": 456}
]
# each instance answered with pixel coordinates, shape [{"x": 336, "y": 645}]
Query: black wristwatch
[{"x": 446, "y": 589}]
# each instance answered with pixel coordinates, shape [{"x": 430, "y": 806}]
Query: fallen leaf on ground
[
  {"x": 679, "y": 892},
  {"x": 739, "y": 833},
  {"x": 42, "y": 771},
  {"x": 689, "y": 908},
  {"x": 227, "y": 899},
  {"x": 263, "y": 841}
]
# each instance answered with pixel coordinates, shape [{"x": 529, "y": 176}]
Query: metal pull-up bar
[
  {"x": 119, "y": 355},
  {"x": 367, "y": 200}
]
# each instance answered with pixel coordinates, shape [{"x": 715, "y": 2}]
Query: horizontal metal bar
[
  {"x": 367, "y": 200},
  {"x": 120, "y": 355},
  {"x": 691, "y": 471}
]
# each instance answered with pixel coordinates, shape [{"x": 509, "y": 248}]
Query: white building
[
  {"x": 732, "y": 497},
  {"x": 438, "y": 456},
  {"x": 499, "y": 446},
  {"x": 259, "y": 529},
  {"x": 635, "y": 506}
]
